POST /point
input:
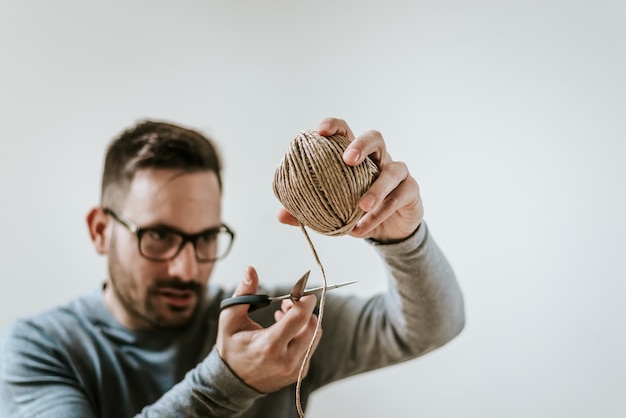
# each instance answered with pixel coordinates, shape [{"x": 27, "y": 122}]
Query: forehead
[{"x": 189, "y": 201}]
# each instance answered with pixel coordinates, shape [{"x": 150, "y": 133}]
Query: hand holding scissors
[
  {"x": 261, "y": 301},
  {"x": 267, "y": 358}
]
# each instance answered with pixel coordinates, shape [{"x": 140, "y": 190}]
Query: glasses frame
[{"x": 139, "y": 231}]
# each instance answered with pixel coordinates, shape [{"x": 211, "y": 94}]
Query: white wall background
[{"x": 511, "y": 115}]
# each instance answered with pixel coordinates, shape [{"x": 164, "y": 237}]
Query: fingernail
[
  {"x": 246, "y": 278},
  {"x": 351, "y": 156}
]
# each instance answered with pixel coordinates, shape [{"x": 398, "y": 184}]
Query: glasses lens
[
  {"x": 213, "y": 245},
  {"x": 159, "y": 243}
]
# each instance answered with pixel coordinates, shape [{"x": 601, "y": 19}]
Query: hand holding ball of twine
[{"x": 318, "y": 188}]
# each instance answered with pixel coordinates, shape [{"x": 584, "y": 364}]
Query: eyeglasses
[{"x": 162, "y": 243}]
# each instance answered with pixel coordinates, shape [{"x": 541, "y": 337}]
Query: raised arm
[{"x": 423, "y": 307}]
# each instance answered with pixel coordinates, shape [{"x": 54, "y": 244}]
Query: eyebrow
[{"x": 179, "y": 231}]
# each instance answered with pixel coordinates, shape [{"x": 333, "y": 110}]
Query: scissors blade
[
  {"x": 261, "y": 301},
  {"x": 308, "y": 291},
  {"x": 297, "y": 291},
  {"x": 329, "y": 287}
]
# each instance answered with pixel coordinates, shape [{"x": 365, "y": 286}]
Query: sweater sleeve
[
  {"x": 422, "y": 310},
  {"x": 41, "y": 377},
  {"x": 35, "y": 377}
]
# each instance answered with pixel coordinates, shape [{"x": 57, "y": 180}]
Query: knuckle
[
  {"x": 379, "y": 140},
  {"x": 391, "y": 202},
  {"x": 397, "y": 170},
  {"x": 297, "y": 313},
  {"x": 375, "y": 133},
  {"x": 305, "y": 309},
  {"x": 402, "y": 167}
]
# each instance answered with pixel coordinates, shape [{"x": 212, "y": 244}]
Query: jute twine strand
[
  {"x": 322, "y": 192},
  {"x": 318, "y": 325}
]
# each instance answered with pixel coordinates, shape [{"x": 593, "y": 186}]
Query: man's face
[{"x": 147, "y": 294}]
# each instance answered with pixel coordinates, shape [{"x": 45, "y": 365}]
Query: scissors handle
[{"x": 255, "y": 302}]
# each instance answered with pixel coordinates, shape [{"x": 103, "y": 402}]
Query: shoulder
[{"x": 52, "y": 326}]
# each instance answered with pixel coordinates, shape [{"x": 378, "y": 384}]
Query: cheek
[
  {"x": 146, "y": 273},
  {"x": 136, "y": 269},
  {"x": 205, "y": 272},
  {"x": 122, "y": 245}
]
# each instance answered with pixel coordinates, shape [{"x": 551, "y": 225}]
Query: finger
[
  {"x": 387, "y": 181},
  {"x": 286, "y": 218},
  {"x": 285, "y": 305},
  {"x": 318, "y": 337},
  {"x": 368, "y": 144},
  {"x": 333, "y": 126},
  {"x": 294, "y": 319},
  {"x": 249, "y": 285},
  {"x": 278, "y": 315},
  {"x": 300, "y": 344},
  {"x": 403, "y": 203},
  {"x": 236, "y": 317}
]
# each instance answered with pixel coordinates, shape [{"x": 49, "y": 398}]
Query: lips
[{"x": 178, "y": 298}]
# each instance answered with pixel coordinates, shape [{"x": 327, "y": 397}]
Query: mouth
[{"x": 179, "y": 299}]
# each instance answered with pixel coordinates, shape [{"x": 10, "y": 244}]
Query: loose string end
[{"x": 318, "y": 326}]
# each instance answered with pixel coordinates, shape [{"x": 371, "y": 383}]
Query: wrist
[{"x": 394, "y": 240}]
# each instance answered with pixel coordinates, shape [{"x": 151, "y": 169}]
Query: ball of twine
[{"x": 318, "y": 188}]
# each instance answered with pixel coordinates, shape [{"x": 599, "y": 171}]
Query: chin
[{"x": 175, "y": 318}]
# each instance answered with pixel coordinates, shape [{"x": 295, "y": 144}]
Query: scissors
[{"x": 261, "y": 301}]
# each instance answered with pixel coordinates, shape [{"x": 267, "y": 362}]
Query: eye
[
  {"x": 160, "y": 235},
  {"x": 207, "y": 237}
]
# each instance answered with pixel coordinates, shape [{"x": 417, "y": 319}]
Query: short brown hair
[{"x": 158, "y": 145}]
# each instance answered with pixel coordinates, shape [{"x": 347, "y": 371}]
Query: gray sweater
[{"x": 77, "y": 361}]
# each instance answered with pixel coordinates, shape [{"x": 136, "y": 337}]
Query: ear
[{"x": 97, "y": 222}]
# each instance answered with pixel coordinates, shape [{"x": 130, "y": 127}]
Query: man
[{"x": 152, "y": 342}]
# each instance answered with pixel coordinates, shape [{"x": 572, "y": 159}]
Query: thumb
[
  {"x": 286, "y": 218},
  {"x": 235, "y": 318},
  {"x": 249, "y": 285}
]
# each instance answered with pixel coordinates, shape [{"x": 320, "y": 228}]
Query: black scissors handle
[{"x": 255, "y": 302}]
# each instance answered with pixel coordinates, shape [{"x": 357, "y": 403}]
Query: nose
[{"x": 184, "y": 265}]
